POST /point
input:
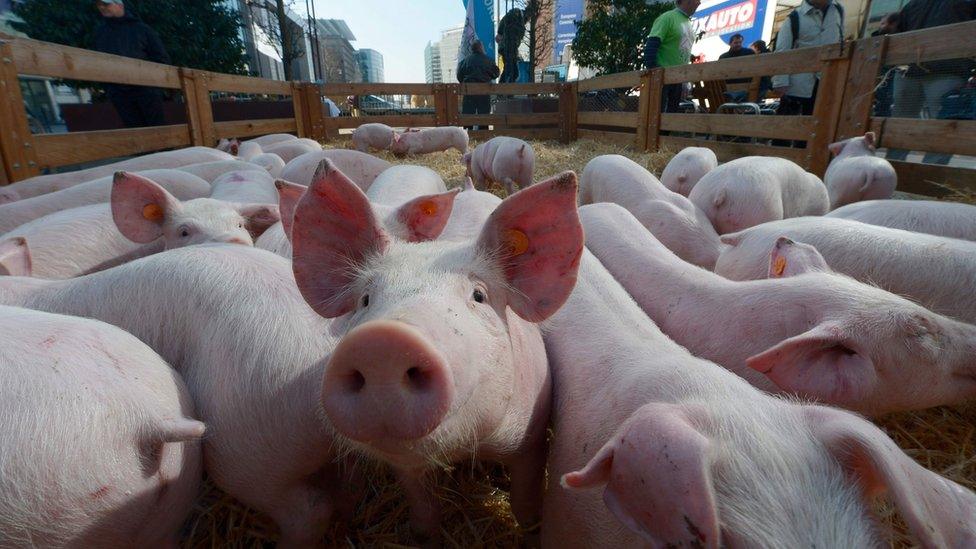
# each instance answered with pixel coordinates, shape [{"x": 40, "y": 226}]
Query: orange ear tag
[
  {"x": 779, "y": 266},
  {"x": 152, "y": 212},
  {"x": 517, "y": 242},
  {"x": 428, "y": 207}
]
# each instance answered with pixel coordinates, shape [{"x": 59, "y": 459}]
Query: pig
[
  {"x": 294, "y": 148},
  {"x": 8, "y": 195},
  {"x": 15, "y": 257},
  {"x": 938, "y": 273},
  {"x": 398, "y": 184},
  {"x": 245, "y": 186},
  {"x": 456, "y": 322},
  {"x": 99, "y": 446},
  {"x": 686, "y": 168},
  {"x": 855, "y": 174},
  {"x": 81, "y": 240},
  {"x": 208, "y": 171},
  {"x": 471, "y": 209},
  {"x": 805, "y": 329},
  {"x": 270, "y": 162},
  {"x": 503, "y": 159},
  {"x": 232, "y": 322},
  {"x": 940, "y": 218},
  {"x": 43, "y": 184},
  {"x": 670, "y": 217},
  {"x": 687, "y": 454},
  {"x": 277, "y": 239},
  {"x": 183, "y": 185},
  {"x": 272, "y": 139},
  {"x": 751, "y": 190},
  {"x": 373, "y": 135},
  {"x": 360, "y": 167},
  {"x": 430, "y": 140}
]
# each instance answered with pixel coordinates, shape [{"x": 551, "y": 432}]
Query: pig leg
[
  {"x": 425, "y": 512},
  {"x": 510, "y": 185}
]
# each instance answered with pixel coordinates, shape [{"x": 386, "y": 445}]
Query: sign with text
[
  {"x": 567, "y": 12},
  {"x": 716, "y": 21}
]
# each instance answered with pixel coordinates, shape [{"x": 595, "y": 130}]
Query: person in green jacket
[{"x": 669, "y": 44}]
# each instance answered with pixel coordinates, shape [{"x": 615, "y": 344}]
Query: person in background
[
  {"x": 124, "y": 34},
  {"x": 766, "y": 83},
  {"x": 759, "y": 46},
  {"x": 812, "y": 23},
  {"x": 669, "y": 44},
  {"x": 476, "y": 67},
  {"x": 736, "y": 50}
]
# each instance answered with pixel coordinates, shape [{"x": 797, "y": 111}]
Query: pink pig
[
  {"x": 99, "y": 448},
  {"x": 360, "y": 167},
  {"x": 503, "y": 159},
  {"x": 289, "y": 150},
  {"x": 439, "y": 359},
  {"x": 208, "y": 171},
  {"x": 937, "y": 217},
  {"x": 183, "y": 185},
  {"x": 15, "y": 257},
  {"x": 855, "y": 174},
  {"x": 686, "y": 168},
  {"x": 751, "y": 190},
  {"x": 686, "y": 454},
  {"x": 804, "y": 329},
  {"x": 373, "y": 135},
  {"x": 430, "y": 140},
  {"x": 471, "y": 209},
  {"x": 670, "y": 217}
]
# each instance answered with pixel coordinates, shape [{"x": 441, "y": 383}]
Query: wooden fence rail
[{"x": 849, "y": 74}]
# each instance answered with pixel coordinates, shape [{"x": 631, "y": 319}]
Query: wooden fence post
[
  {"x": 826, "y": 109},
  {"x": 452, "y": 113},
  {"x": 862, "y": 78},
  {"x": 440, "y": 105},
  {"x": 300, "y": 110},
  {"x": 643, "y": 111},
  {"x": 654, "y": 90},
  {"x": 316, "y": 114},
  {"x": 568, "y": 107},
  {"x": 199, "y": 111},
  {"x": 16, "y": 140}
]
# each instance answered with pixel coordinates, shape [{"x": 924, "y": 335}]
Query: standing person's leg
[
  {"x": 127, "y": 107},
  {"x": 150, "y": 101},
  {"x": 469, "y": 105},
  {"x": 670, "y": 100},
  {"x": 907, "y": 96},
  {"x": 788, "y": 106},
  {"x": 935, "y": 86}
]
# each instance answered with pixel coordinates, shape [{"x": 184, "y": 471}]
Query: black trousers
[
  {"x": 510, "y": 72},
  {"x": 138, "y": 106},
  {"x": 790, "y": 105},
  {"x": 475, "y": 104},
  {"x": 670, "y": 97}
]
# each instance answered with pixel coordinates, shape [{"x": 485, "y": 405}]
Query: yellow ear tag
[
  {"x": 779, "y": 266},
  {"x": 517, "y": 241},
  {"x": 152, "y": 212},
  {"x": 428, "y": 207}
]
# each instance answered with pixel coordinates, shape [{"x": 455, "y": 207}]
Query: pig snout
[{"x": 386, "y": 381}]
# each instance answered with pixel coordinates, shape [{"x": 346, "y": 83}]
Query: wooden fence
[{"x": 849, "y": 76}]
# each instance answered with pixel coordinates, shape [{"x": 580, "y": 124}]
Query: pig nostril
[
  {"x": 417, "y": 378},
  {"x": 355, "y": 382}
]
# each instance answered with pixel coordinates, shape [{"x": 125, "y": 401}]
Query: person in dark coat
[
  {"x": 124, "y": 34},
  {"x": 476, "y": 67}
]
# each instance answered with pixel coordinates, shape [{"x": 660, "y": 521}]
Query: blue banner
[
  {"x": 717, "y": 20},
  {"x": 567, "y": 13},
  {"x": 478, "y": 22}
]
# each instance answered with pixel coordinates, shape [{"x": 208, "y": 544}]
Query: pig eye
[
  {"x": 240, "y": 225},
  {"x": 365, "y": 300},
  {"x": 184, "y": 231},
  {"x": 478, "y": 296}
]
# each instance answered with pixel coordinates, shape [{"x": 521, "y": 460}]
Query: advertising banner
[
  {"x": 567, "y": 11},
  {"x": 716, "y": 21},
  {"x": 479, "y": 22}
]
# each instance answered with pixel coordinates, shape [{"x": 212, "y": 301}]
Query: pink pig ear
[
  {"x": 836, "y": 148},
  {"x": 140, "y": 207},
  {"x": 15, "y": 257},
  {"x": 259, "y": 217},
  {"x": 334, "y": 230},
  {"x": 791, "y": 258},
  {"x": 658, "y": 483},
  {"x": 939, "y": 512},
  {"x": 822, "y": 363},
  {"x": 288, "y": 196},
  {"x": 425, "y": 217},
  {"x": 536, "y": 236},
  {"x": 870, "y": 139}
]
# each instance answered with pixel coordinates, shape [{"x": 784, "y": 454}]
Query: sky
[{"x": 399, "y": 29}]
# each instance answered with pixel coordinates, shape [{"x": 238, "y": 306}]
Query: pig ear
[
  {"x": 15, "y": 257},
  {"x": 939, "y": 512},
  {"x": 790, "y": 258},
  {"x": 259, "y": 217},
  {"x": 289, "y": 194},
  {"x": 334, "y": 231},
  {"x": 396, "y": 137},
  {"x": 822, "y": 363},
  {"x": 140, "y": 207},
  {"x": 835, "y": 148},
  {"x": 536, "y": 238},
  {"x": 658, "y": 483},
  {"x": 468, "y": 184},
  {"x": 719, "y": 199},
  {"x": 870, "y": 139},
  {"x": 731, "y": 239},
  {"x": 425, "y": 217}
]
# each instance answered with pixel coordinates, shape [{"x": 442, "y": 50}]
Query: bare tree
[
  {"x": 271, "y": 17},
  {"x": 541, "y": 32}
]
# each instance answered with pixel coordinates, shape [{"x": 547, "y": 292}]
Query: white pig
[
  {"x": 689, "y": 455},
  {"x": 373, "y": 135},
  {"x": 430, "y": 140},
  {"x": 99, "y": 448},
  {"x": 672, "y": 218},
  {"x": 15, "y": 257},
  {"x": 245, "y": 186},
  {"x": 8, "y": 195},
  {"x": 855, "y": 174},
  {"x": 503, "y": 159},
  {"x": 809, "y": 330},
  {"x": 398, "y": 184},
  {"x": 208, "y": 171},
  {"x": 360, "y": 167},
  {"x": 43, "y": 184},
  {"x": 183, "y": 185},
  {"x": 270, "y": 162},
  {"x": 294, "y": 148},
  {"x": 471, "y": 209},
  {"x": 950, "y": 219},
  {"x": 687, "y": 167},
  {"x": 939, "y": 273},
  {"x": 754, "y": 189}
]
